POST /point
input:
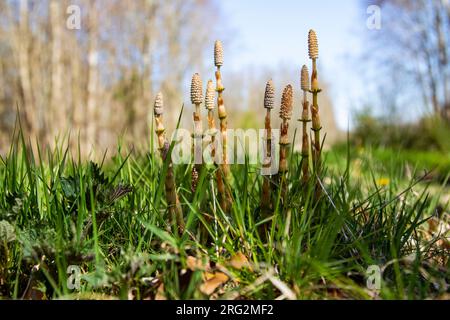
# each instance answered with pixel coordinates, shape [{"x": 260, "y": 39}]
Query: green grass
[
  {"x": 111, "y": 220},
  {"x": 404, "y": 161}
]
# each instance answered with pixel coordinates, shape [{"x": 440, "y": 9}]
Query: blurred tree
[
  {"x": 414, "y": 42},
  {"x": 57, "y": 114},
  {"x": 23, "y": 42},
  {"x": 98, "y": 81},
  {"x": 92, "y": 94}
]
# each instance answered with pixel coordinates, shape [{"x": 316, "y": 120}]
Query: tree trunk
[
  {"x": 57, "y": 117},
  {"x": 77, "y": 92},
  {"x": 2, "y": 87},
  {"x": 23, "y": 46},
  {"x": 92, "y": 86},
  {"x": 147, "y": 85}
]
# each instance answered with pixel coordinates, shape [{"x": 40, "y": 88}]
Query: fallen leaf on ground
[
  {"x": 213, "y": 281},
  {"x": 195, "y": 264},
  {"x": 239, "y": 261}
]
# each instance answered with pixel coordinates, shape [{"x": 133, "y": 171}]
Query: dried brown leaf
[
  {"x": 195, "y": 264},
  {"x": 239, "y": 261},
  {"x": 213, "y": 281}
]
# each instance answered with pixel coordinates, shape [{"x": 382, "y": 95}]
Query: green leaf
[{"x": 70, "y": 187}]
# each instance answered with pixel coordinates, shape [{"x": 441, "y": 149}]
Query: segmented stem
[
  {"x": 196, "y": 99},
  {"x": 316, "y": 126},
  {"x": 285, "y": 115},
  {"x": 225, "y": 198},
  {"x": 212, "y": 131},
  {"x": 209, "y": 104},
  {"x": 268, "y": 105},
  {"x": 305, "y": 86},
  {"x": 313, "y": 50},
  {"x": 173, "y": 202}
]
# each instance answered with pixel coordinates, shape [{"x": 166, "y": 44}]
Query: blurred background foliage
[
  {"x": 98, "y": 82},
  {"x": 427, "y": 134}
]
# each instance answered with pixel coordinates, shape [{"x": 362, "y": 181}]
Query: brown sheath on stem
[
  {"x": 285, "y": 115},
  {"x": 212, "y": 130},
  {"x": 209, "y": 104},
  {"x": 305, "y": 119}
]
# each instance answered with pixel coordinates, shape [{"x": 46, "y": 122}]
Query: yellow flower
[{"x": 383, "y": 182}]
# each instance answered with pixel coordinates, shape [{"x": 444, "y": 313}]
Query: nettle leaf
[
  {"x": 7, "y": 232},
  {"x": 70, "y": 187},
  {"x": 105, "y": 194},
  {"x": 98, "y": 176}
]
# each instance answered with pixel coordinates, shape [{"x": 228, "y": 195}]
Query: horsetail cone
[
  {"x": 304, "y": 81},
  {"x": 196, "y": 90},
  {"x": 313, "y": 45},
  {"x": 286, "y": 103},
  {"x": 210, "y": 95},
  {"x": 159, "y": 103},
  {"x": 269, "y": 96},
  {"x": 305, "y": 86},
  {"x": 197, "y": 99},
  {"x": 158, "y": 111},
  {"x": 286, "y": 114},
  {"x": 218, "y": 54}
]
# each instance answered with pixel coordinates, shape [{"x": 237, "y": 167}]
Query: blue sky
[{"x": 268, "y": 33}]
